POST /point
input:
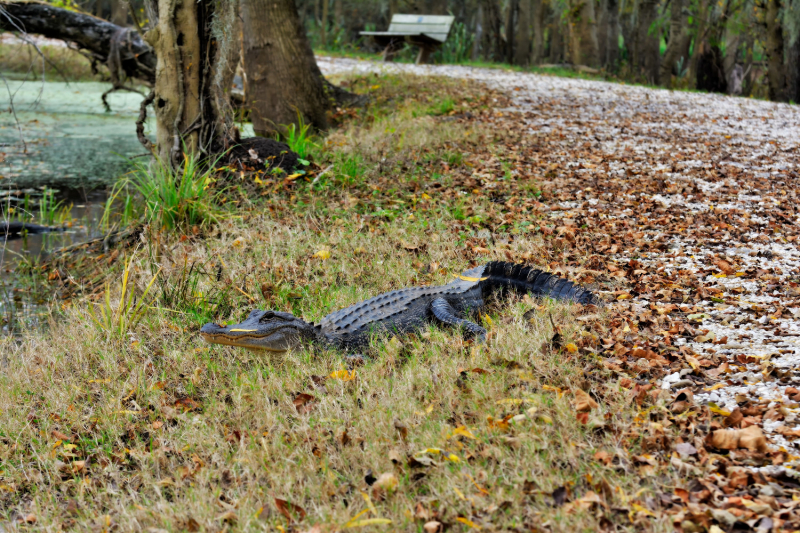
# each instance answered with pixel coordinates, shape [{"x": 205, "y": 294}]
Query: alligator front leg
[{"x": 445, "y": 314}]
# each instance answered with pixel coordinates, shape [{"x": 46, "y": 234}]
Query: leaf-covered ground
[
  {"x": 687, "y": 203},
  {"x": 676, "y": 207}
]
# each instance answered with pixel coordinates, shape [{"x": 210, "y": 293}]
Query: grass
[
  {"x": 60, "y": 62},
  {"x": 163, "y": 432},
  {"x": 168, "y": 198}
]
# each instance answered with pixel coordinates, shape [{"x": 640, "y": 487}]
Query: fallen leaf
[
  {"x": 290, "y": 510},
  {"x": 584, "y": 402}
]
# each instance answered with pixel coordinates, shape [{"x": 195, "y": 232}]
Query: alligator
[{"x": 398, "y": 312}]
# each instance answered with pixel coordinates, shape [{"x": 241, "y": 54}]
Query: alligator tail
[{"x": 520, "y": 279}]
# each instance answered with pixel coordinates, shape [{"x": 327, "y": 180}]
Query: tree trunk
[
  {"x": 119, "y": 12},
  {"x": 338, "y": 15},
  {"x": 556, "y": 39},
  {"x": 479, "y": 31},
  {"x": 537, "y": 18},
  {"x": 583, "y": 33},
  {"x": 187, "y": 117},
  {"x": 511, "y": 19},
  {"x": 496, "y": 49},
  {"x": 774, "y": 50},
  {"x": 611, "y": 58},
  {"x": 699, "y": 40},
  {"x": 627, "y": 19},
  {"x": 672, "y": 54},
  {"x": 601, "y": 11},
  {"x": 96, "y": 36},
  {"x": 522, "y": 54},
  {"x": 323, "y": 28},
  {"x": 285, "y": 84},
  {"x": 648, "y": 44},
  {"x": 793, "y": 71},
  {"x": 732, "y": 40}
]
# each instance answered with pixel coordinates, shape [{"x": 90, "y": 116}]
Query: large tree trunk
[
  {"x": 672, "y": 54},
  {"x": 537, "y": 19},
  {"x": 583, "y": 33},
  {"x": 190, "y": 114},
  {"x": 774, "y": 51},
  {"x": 522, "y": 54},
  {"x": 647, "y": 43},
  {"x": 100, "y": 38},
  {"x": 284, "y": 82}
]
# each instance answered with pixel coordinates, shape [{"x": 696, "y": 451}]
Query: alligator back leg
[{"x": 445, "y": 314}]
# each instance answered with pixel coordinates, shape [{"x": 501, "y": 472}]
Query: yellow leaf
[
  {"x": 463, "y": 431},
  {"x": 715, "y": 387},
  {"x": 512, "y": 401},
  {"x": 356, "y": 517},
  {"x": 292, "y": 177},
  {"x": 368, "y": 522},
  {"x": 487, "y": 318},
  {"x": 323, "y": 254},
  {"x": 369, "y": 503},
  {"x": 344, "y": 375},
  {"x": 468, "y": 522},
  {"x": 714, "y": 408},
  {"x": 429, "y": 450},
  {"x": 425, "y": 196},
  {"x": 452, "y": 458},
  {"x": 624, "y": 296},
  {"x": 571, "y": 348}
]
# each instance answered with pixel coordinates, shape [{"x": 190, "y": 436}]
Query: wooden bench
[{"x": 426, "y": 31}]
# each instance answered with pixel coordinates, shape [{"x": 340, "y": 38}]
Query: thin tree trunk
[
  {"x": 479, "y": 30},
  {"x": 338, "y": 15},
  {"x": 119, "y": 12},
  {"x": 648, "y": 44},
  {"x": 496, "y": 51},
  {"x": 523, "y": 51},
  {"x": 699, "y": 40},
  {"x": 774, "y": 50},
  {"x": 602, "y": 31},
  {"x": 732, "y": 40},
  {"x": 556, "y": 39},
  {"x": 511, "y": 18},
  {"x": 537, "y": 16},
  {"x": 793, "y": 71},
  {"x": 747, "y": 85},
  {"x": 611, "y": 59},
  {"x": 323, "y": 28},
  {"x": 672, "y": 54},
  {"x": 627, "y": 19}
]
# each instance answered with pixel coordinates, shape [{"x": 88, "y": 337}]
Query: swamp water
[{"x": 73, "y": 147}]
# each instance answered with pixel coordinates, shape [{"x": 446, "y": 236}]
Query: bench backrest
[{"x": 434, "y": 26}]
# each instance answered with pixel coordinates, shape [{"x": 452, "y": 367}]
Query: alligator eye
[{"x": 266, "y": 316}]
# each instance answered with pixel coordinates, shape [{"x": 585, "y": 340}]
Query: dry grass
[
  {"x": 161, "y": 431},
  {"x": 59, "y": 63}
]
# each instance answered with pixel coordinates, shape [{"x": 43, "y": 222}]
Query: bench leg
[
  {"x": 424, "y": 55},
  {"x": 388, "y": 53}
]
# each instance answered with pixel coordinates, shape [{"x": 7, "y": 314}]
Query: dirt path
[{"x": 684, "y": 204}]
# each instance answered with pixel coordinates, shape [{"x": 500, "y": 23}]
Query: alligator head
[{"x": 273, "y": 331}]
